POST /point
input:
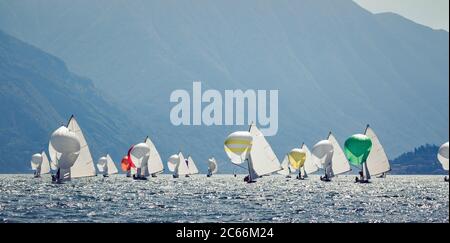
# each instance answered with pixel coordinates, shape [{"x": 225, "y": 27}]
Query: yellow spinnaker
[
  {"x": 297, "y": 158},
  {"x": 237, "y": 146}
]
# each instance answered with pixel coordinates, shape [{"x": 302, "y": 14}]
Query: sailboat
[
  {"x": 443, "y": 157},
  {"x": 357, "y": 150},
  {"x": 36, "y": 161},
  {"x": 212, "y": 167},
  {"x": 64, "y": 149},
  {"x": 106, "y": 166},
  {"x": 261, "y": 160},
  {"x": 138, "y": 156},
  {"x": 377, "y": 162},
  {"x": 177, "y": 164},
  {"x": 154, "y": 164},
  {"x": 323, "y": 154},
  {"x": 84, "y": 165},
  {"x": 287, "y": 168},
  {"x": 40, "y": 164},
  {"x": 297, "y": 159}
]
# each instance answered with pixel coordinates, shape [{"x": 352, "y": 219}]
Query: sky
[{"x": 432, "y": 13}]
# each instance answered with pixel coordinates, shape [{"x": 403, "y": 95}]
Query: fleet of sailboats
[{"x": 70, "y": 157}]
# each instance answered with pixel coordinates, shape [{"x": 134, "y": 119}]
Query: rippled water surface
[{"x": 224, "y": 198}]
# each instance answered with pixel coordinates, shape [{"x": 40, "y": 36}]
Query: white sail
[
  {"x": 339, "y": 162},
  {"x": 377, "y": 161},
  {"x": 251, "y": 171},
  {"x": 181, "y": 167},
  {"x": 64, "y": 147},
  {"x": 323, "y": 154},
  {"x": 155, "y": 164},
  {"x": 212, "y": 165},
  {"x": 263, "y": 159},
  {"x": 144, "y": 166},
  {"x": 53, "y": 157},
  {"x": 36, "y": 162},
  {"x": 84, "y": 165},
  {"x": 192, "y": 167},
  {"x": 111, "y": 166},
  {"x": 45, "y": 166},
  {"x": 173, "y": 162},
  {"x": 443, "y": 155},
  {"x": 285, "y": 165},
  {"x": 366, "y": 172},
  {"x": 309, "y": 166},
  {"x": 101, "y": 165},
  {"x": 139, "y": 155}
]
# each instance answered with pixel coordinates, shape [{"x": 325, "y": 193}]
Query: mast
[
  {"x": 68, "y": 122},
  {"x": 248, "y": 161},
  {"x": 367, "y": 127}
]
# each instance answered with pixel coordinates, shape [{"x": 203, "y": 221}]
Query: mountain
[
  {"x": 337, "y": 66},
  {"x": 38, "y": 94},
  {"x": 422, "y": 161}
]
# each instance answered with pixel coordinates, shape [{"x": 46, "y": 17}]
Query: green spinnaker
[{"x": 357, "y": 149}]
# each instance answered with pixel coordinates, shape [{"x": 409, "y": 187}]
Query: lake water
[{"x": 224, "y": 198}]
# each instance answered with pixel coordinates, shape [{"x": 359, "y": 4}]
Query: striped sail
[{"x": 237, "y": 146}]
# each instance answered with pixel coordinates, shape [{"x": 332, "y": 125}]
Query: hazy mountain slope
[{"x": 38, "y": 94}]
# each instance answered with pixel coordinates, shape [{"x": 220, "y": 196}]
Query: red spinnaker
[
  {"x": 125, "y": 164},
  {"x": 129, "y": 158}
]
